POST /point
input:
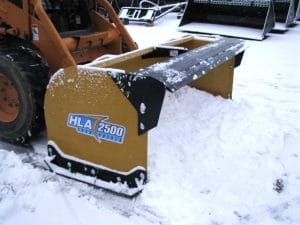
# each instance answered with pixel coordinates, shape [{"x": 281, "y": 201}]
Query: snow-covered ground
[{"x": 211, "y": 161}]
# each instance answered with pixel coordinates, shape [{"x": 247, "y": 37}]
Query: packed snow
[{"x": 212, "y": 161}]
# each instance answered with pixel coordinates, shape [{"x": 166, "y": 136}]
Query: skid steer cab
[{"x": 98, "y": 115}]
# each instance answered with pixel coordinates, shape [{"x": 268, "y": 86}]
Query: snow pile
[{"x": 221, "y": 161}]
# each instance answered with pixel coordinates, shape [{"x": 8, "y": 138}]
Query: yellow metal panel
[
  {"x": 218, "y": 81},
  {"x": 93, "y": 92}
]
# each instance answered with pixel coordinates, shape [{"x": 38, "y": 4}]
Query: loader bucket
[
  {"x": 284, "y": 14},
  {"x": 250, "y": 19},
  {"x": 98, "y": 115}
]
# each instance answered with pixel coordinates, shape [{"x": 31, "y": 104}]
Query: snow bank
[{"x": 219, "y": 160}]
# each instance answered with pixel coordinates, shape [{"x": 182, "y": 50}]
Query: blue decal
[{"x": 97, "y": 127}]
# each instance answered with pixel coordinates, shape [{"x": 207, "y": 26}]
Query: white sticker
[
  {"x": 35, "y": 32},
  {"x": 97, "y": 126}
]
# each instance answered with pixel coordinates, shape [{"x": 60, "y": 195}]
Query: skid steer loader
[
  {"x": 250, "y": 19},
  {"x": 98, "y": 113},
  {"x": 38, "y": 37}
]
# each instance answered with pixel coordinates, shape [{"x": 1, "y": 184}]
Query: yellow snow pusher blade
[
  {"x": 98, "y": 115},
  {"x": 250, "y": 19}
]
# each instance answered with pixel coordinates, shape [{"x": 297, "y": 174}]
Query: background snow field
[{"x": 212, "y": 161}]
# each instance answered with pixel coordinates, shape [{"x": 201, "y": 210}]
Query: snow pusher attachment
[
  {"x": 284, "y": 14},
  {"x": 250, "y": 19},
  {"x": 98, "y": 115}
]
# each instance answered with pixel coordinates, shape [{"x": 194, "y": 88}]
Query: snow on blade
[{"x": 180, "y": 70}]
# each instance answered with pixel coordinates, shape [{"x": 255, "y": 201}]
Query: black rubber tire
[{"x": 29, "y": 75}]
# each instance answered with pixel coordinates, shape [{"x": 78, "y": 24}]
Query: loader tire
[{"x": 23, "y": 80}]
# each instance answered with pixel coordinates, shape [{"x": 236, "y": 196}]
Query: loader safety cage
[{"x": 250, "y": 19}]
